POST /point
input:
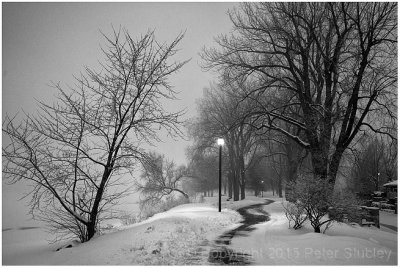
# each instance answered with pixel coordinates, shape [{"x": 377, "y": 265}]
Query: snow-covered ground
[
  {"x": 185, "y": 235},
  {"x": 179, "y": 236},
  {"x": 273, "y": 243},
  {"x": 388, "y": 218}
]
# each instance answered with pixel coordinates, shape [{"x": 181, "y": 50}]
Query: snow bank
[{"x": 181, "y": 236}]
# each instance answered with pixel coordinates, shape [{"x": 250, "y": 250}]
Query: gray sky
[{"x": 45, "y": 42}]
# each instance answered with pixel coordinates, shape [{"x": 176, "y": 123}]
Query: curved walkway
[{"x": 221, "y": 254}]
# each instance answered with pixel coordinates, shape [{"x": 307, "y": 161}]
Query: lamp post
[
  {"x": 378, "y": 180},
  {"x": 220, "y": 143},
  {"x": 262, "y": 189}
]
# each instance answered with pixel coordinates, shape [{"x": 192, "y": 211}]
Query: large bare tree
[
  {"x": 77, "y": 151},
  {"x": 336, "y": 63}
]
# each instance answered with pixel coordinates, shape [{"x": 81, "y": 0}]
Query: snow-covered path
[{"x": 221, "y": 253}]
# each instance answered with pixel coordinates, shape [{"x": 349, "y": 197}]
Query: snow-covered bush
[
  {"x": 313, "y": 195},
  {"x": 295, "y": 213},
  {"x": 316, "y": 197}
]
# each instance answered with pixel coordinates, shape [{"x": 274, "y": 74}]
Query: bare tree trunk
[
  {"x": 230, "y": 184},
  {"x": 236, "y": 187},
  {"x": 320, "y": 163},
  {"x": 243, "y": 178},
  {"x": 225, "y": 188},
  {"x": 280, "y": 189},
  {"x": 334, "y": 164},
  {"x": 243, "y": 191}
]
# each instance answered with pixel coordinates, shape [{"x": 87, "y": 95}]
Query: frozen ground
[{"x": 185, "y": 234}]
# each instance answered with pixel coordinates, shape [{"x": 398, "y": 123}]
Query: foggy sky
[{"x": 44, "y": 42}]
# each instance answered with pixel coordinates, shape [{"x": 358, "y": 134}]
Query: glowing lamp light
[{"x": 220, "y": 142}]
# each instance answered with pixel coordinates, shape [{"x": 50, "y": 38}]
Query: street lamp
[
  {"x": 262, "y": 189},
  {"x": 220, "y": 143},
  {"x": 378, "y": 179}
]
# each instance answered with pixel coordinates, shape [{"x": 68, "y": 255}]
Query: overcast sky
[{"x": 44, "y": 42}]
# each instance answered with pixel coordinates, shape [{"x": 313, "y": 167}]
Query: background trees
[
  {"x": 221, "y": 115},
  {"x": 202, "y": 172},
  {"x": 334, "y": 63},
  {"x": 76, "y": 151},
  {"x": 374, "y": 165}
]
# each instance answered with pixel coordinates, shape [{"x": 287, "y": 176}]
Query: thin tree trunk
[
  {"x": 225, "y": 188},
  {"x": 280, "y": 188},
  {"x": 243, "y": 192},
  {"x": 230, "y": 185},
  {"x": 243, "y": 178},
  {"x": 236, "y": 187}
]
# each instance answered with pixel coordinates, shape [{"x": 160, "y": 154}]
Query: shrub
[
  {"x": 295, "y": 213},
  {"x": 315, "y": 196},
  {"x": 312, "y": 194}
]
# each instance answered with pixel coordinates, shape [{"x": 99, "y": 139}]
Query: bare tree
[
  {"x": 76, "y": 151},
  {"x": 160, "y": 178},
  {"x": 334, "y": 62}
]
